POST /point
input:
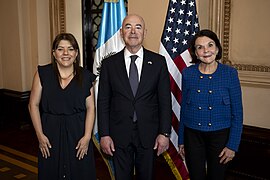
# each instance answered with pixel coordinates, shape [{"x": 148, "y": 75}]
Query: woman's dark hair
[
  {"x": 77, "y": 69},
  {"x": 207, "y": 33}
]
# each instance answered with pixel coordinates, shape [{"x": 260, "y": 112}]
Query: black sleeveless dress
[{"x": 63, "y": 114}]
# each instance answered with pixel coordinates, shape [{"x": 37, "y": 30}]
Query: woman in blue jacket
[{"x": 211, "y": 110}]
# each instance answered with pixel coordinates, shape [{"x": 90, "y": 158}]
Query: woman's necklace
[{"x": 65, "y": 78}]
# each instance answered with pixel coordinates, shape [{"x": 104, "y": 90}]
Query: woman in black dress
[{"x": 62, "y": 110}]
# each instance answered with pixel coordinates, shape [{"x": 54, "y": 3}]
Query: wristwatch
[{"x": 166, "y": 134}]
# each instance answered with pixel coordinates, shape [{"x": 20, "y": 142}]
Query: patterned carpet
[{"x": 17, "y": 165}]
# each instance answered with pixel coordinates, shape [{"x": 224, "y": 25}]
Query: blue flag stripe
[{"x": 112, "y": 17}]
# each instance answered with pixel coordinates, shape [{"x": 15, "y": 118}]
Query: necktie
[
  {"x": 133, "y": 79},
  {"x": 133, "y": 74}
]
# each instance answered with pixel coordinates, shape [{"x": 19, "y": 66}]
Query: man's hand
[
  {"x": 161, "y": 144},
  {"x": 107, "y": 146}
]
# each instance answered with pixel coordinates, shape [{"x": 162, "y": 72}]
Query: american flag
[{"x": 181, "y": 24}]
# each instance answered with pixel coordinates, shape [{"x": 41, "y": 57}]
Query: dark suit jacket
[{"x": 116, "y": 102}]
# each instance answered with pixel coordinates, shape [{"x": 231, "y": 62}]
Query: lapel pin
[{"x": 149, "y": 62}]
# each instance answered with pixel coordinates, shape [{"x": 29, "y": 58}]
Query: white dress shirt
[{"x": 138, "y": 62}]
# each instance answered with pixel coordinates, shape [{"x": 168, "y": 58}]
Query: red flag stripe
[
  {"x": 180, "y": 63},
  {"x": 178, "y": 162},
  {"x": 176, "y": 90},
  {"x": 175, "y": 123}
]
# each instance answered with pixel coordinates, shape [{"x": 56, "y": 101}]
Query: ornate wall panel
[
  {"x": 57, "y": 17},
  {"x": 242, "y": 26}
]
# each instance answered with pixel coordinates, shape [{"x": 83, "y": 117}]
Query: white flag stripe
[
  {"x": 114, "y": 44},
  {"x": 95, "y": 129},
  {"x": 176, "y": 107},
  {"x": 186, "y": 57},
  {"x": 176, "y": 75},
  {"x": 174, "y": 139}
]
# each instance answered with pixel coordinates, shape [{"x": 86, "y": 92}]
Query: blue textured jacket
[{"x": 212, "y": 102}]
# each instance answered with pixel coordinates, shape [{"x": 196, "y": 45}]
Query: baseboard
[
  {"x": 21, "y": 96},
  {"x": 252, "y": 160},
  {"x": 14, "y": 107}
]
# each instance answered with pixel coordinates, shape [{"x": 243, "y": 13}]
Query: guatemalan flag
[
  {"x": 109, "y": 39},
  {"x": 109, "y": 43},
  {"x": 181, "y": 24}
]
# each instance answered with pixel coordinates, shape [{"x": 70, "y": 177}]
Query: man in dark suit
[{"x": 134, "y": 120}]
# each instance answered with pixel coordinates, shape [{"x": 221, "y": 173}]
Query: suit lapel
[
  {"x": 123, "y": 77},
  {"x": 146, "y": 72}
]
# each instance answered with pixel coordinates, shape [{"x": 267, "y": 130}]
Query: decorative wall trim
[
  {"x": 254, "y": 78},
  {"x": 57, "y": 17},
  {"x": 249, "y": 67},
  {"x": 216, "y": 17},
  {"x": 220, "y": 23},
  {"x": 226, "y": 39},
  {"x": 226, "y": 32},
  {"x": 19, "y": 96}
]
